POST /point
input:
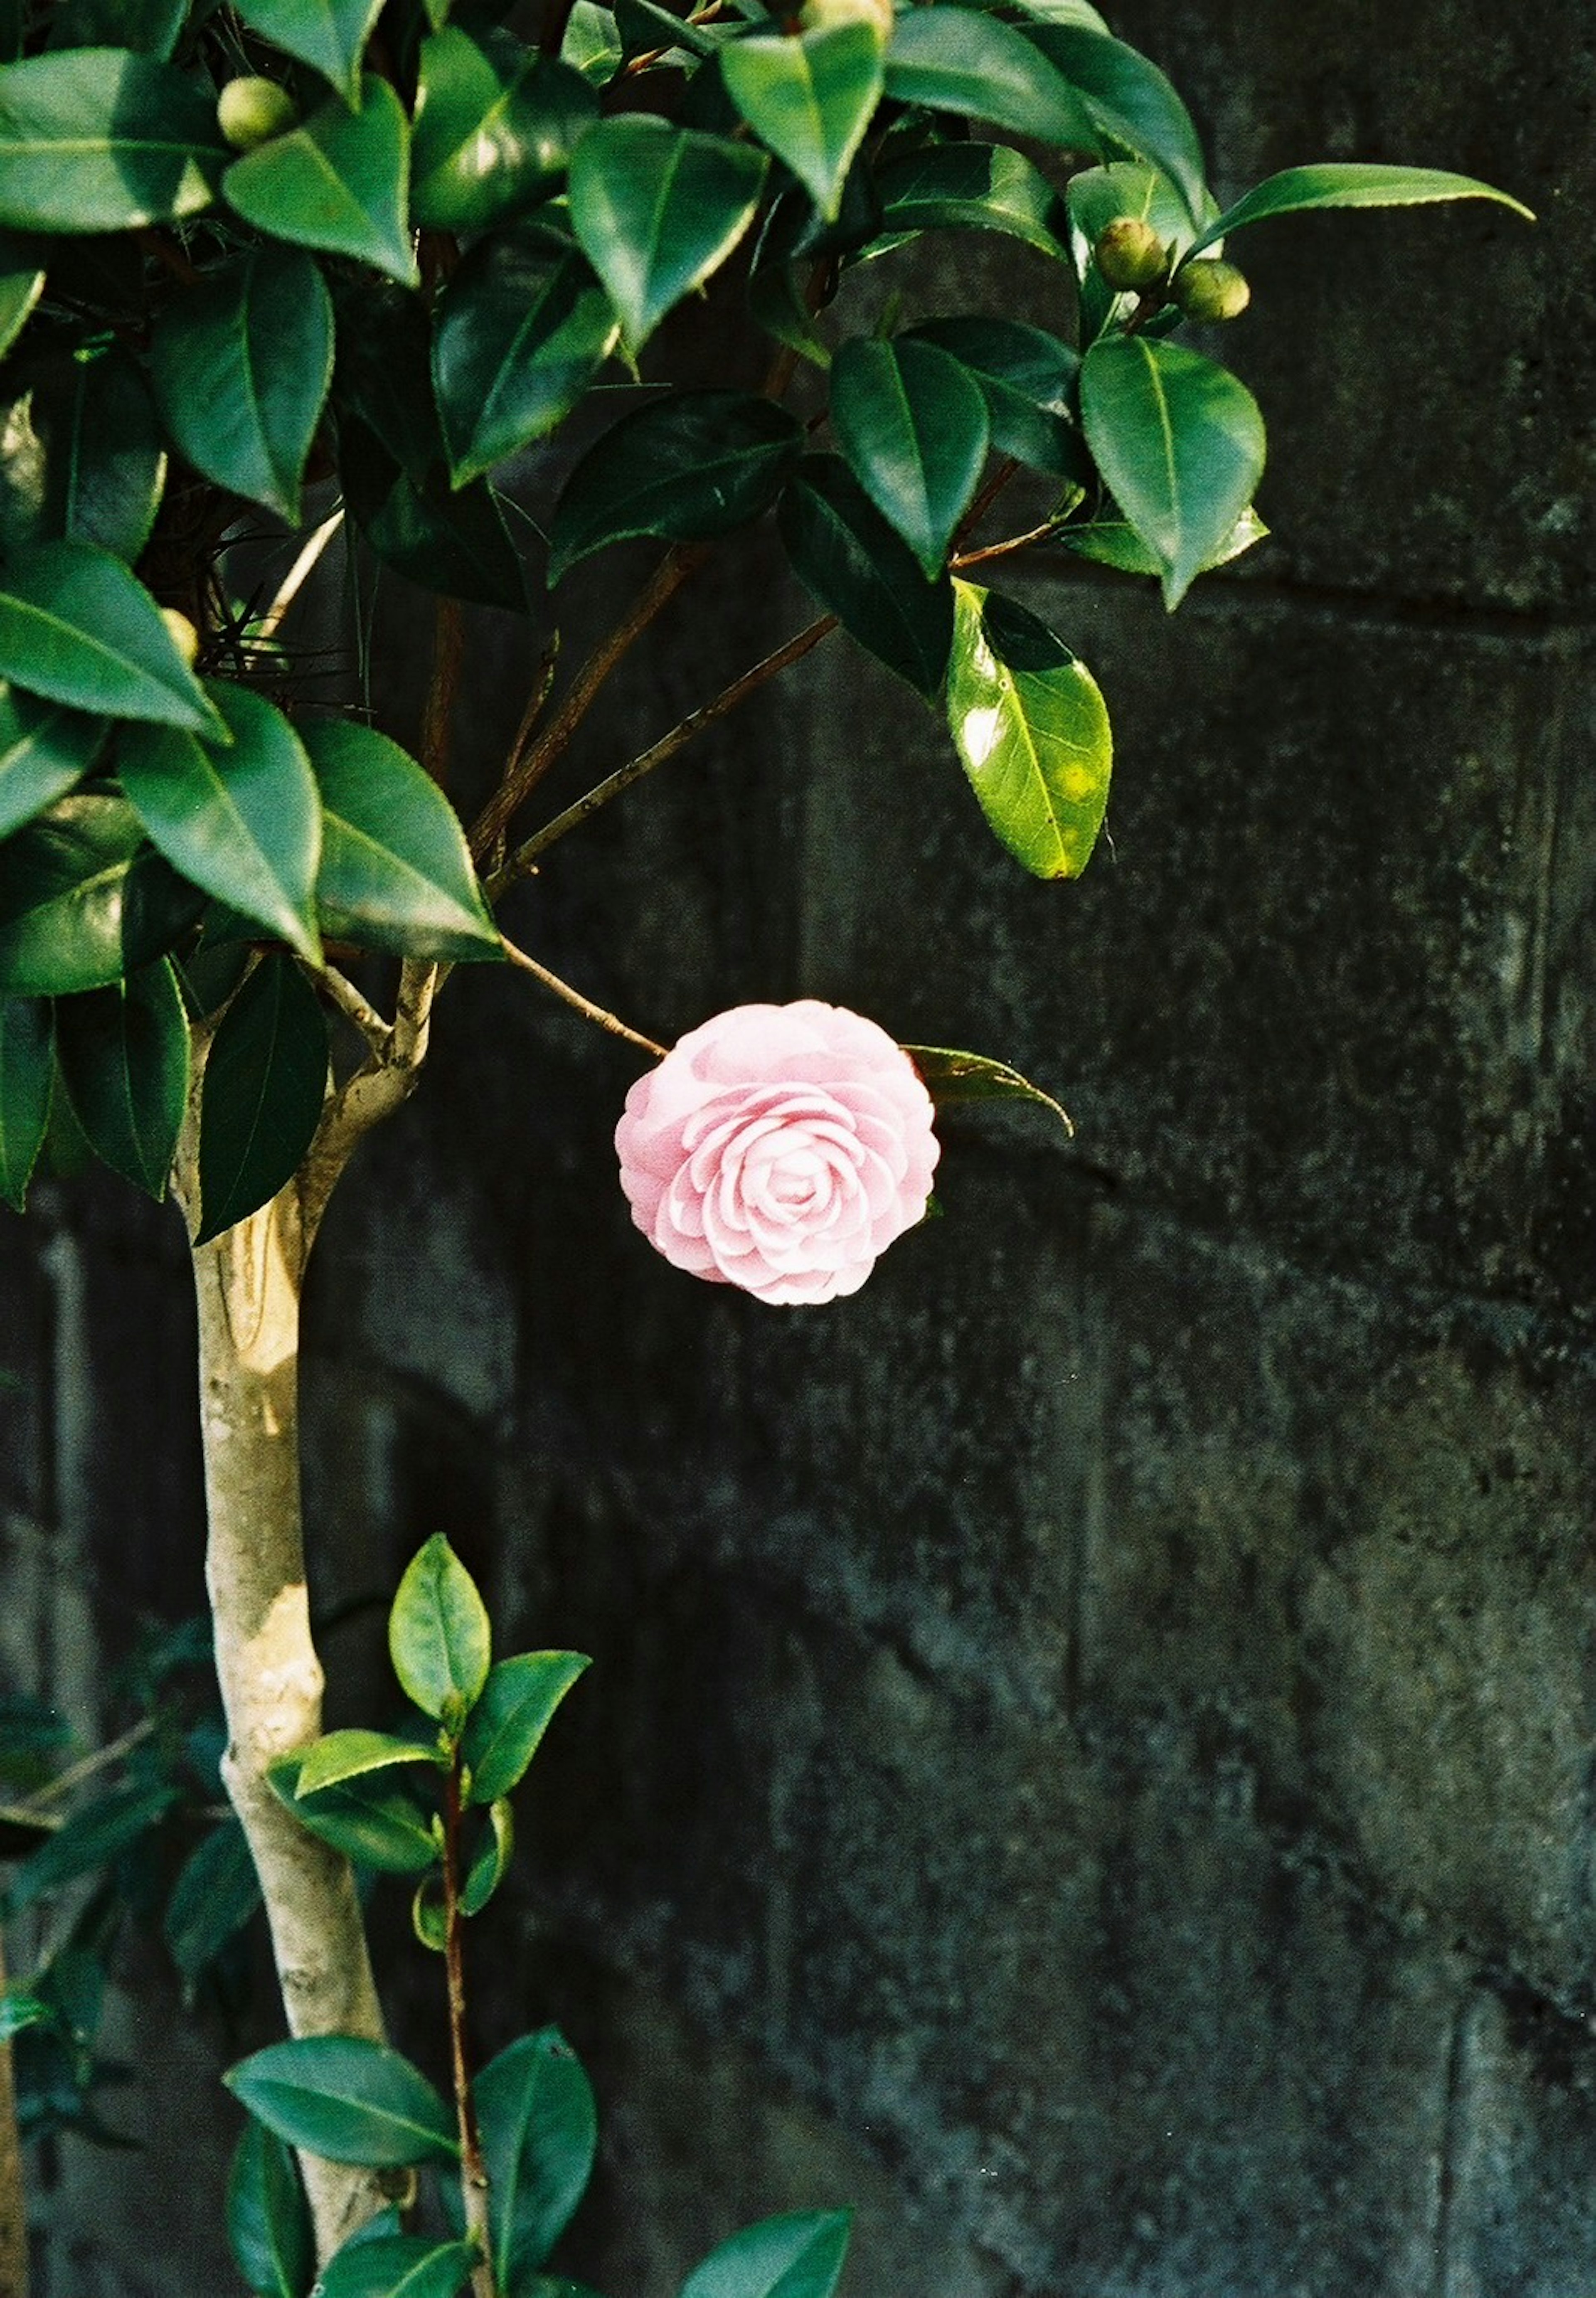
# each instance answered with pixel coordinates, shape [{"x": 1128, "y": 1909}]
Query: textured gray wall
[{"x": 1091, "y": 1749}]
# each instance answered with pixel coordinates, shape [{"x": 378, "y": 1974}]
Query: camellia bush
[{"x": 283, "y": 270}]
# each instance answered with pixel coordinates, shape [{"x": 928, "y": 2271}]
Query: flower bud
[
  {"x": 1130, "y": 255},
  {"x": 1211, "y": 289},
  {"x": 828, "y": 15},
  {"x": 182, "y": 634},
  {"x": 251, "y": 111}
]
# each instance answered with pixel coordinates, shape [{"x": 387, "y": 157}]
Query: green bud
[
  {"x": 251, "y": 111},
  {"x": 1212, "y": 289},
  {"x": 1130, "y": 255}
]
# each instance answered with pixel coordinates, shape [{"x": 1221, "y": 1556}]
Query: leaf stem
[
  {"x": 584, "y": 1005},
  {"x": 474, "y": 2173}
]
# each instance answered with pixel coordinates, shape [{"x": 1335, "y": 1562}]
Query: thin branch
[
  {"x": 94, "y": 1761},
  {"x": 298, "y": 575},
  {"x": 377, "y": 1033},
  {"x": 1002, "y": 549},
  {"x": 473, "y": 2172},
  {"x": 449, "y": 649},
  {"x": 374, "y": 1093},
  {"x": 987, "y": 496},
  {"x": 584, "y": 1005}
]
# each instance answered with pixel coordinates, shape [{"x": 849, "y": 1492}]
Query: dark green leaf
[
  {"x": 798, "y": 2256},
  {"x": 1179, "y": 441},
  {"x": 98, "y": 139},
  {"x": 449, "y": 541},
  {"x": 395, "y": 871},
  {"x": 809, "y": 100},
  {"x": 1130, "y": 100},
  {"x": 510, "y": 1716},
  {"x": 592, "y": 45},
  {"x": 495, "y": 125},
  {"x": 26, "y": 1068},
  {"x": 340, "y": 181},
  {"x": 972, "y": 188},
  {"x": 539, "y": 2133},
  {"x": 350, "y": 1755},
  {"x": 242, "y": 364},
  {"x": 150, "y": 26},
  {"x": 1026, "y": 377},
  {"x": 243, "y": 822},
  {"x": 1352, "y": 183},
  {"x": 44, "y": 750},
  {"x": 68, "y": 899},
  {"x": 77, "y": 627},
  {"x": 21, "y": 283},
  {"x": 689, "y": 466},
  {"x": 439, "y": 1639},
  {"x": 83, "y": 460},
  {"x": 97, "y": 1832},
  {"x": 914, "y": 427},
  {"x": 374, "y": 1821},
  {"x": 1112, "y": 542},
  {"x": 949, "y": 59},
  {"x": 215, "y": 1895},
  {"x": 261, "y": 1099},
  {"x": 952, "y": 1077},
  {"x": 269, "y": 2220},
  {"x": 350, "y": 2100},
  {"x": 845, "y": 552},
  {"x": 123, "y": 1054},
  {"x": 330, "y": 35},
  {"x": 490, "y": 1863},
  {"x": 523, "y": 327},
  {"x": 398, "y": 2266},
  {"x": 657, "y": 210}
]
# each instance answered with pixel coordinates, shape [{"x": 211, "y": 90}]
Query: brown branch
[
  {"x": 448, "y": 651},
  {"x": 584, "y": 1005},
  {"x": 473, "y": 2172},
  {"x": 1002, "y": 549}
]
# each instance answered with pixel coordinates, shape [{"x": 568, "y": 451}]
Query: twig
[
  {"x": 22, "y": 1815},
  {"x": 584, "y": 1005},
  {"x": 985, "y": 499},
  {"x": 449, "y": 648},
  {"x": 377, "y": 1033},
  {"x": 94, "y": 1761},
  {"x": 375, "y": 1091},
  {"x": 1001, "y": 549},
  {"x": 298, "y": 575},
  {"x": 473, "y": 2172}
]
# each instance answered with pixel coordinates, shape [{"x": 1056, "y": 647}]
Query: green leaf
[
  {"x": 914, "y": 427},
  {"x": 495, "y": 126},
  {"x": 99, "y": 139},
  {"x": 242, "y": 822},
  {"x": 490, "y": 1863},
  {"x": 242, "y": 365},
  {"x": 949, "y": 59},
  {"x": 592, "y": 45},
  {"x": 19, "y": 2011},
  {"x": 449, "y": 541},
  {"x": 97, "y": 1832},
  {"x": 44, "y": 750},
  {"x": 77, "y": 627},
  {"x": 689, "y": 466},
  {"x": 123, "y": 1056},
  {"x": 376, "y": 1823},
  {"x": 83, "y": 460},
  {"x": 330, "y": 35},
  {"x": 657, "y": 208},
  {"x": 261, "y": 1099},
  {"x": 27, "y": 1071},
  {"x": 350, "y": 1754},
  {"x": 350, "y": 2100},
  {"x": 1031, "y": 731},
  {"x": 398, "y": 2266},
  {"x": 843, "y": 551},
  {"x": 150, "y": 26},
  {"x": 809, "y": 100},
  {"x": 973, "y": 187},
  {"x": 1179, "y": 442},
  {"x": 395, "y": 871},
  {"x": 510, "y": 1715},
  {"x": 269, "y": 2220},
  {"x": 1027, "y": 378},
  {"x": 215, "y": 1895},
  {"x": 798, "y": 2256},
  {"x": 1100, "y": 196},
  {"x": 539, "y": 2134},
  {"x": 439, "y": 1639},
  {"x": 76, "y": 907},
  {"x": 1128, "y": 100},
  {"x": 340, "y": 181},
  {"x": 22, "y": 284},
  {"x": 523, "y": 327},
  {"x": 951, "y": 1077},
  {"x": 1113, "y": 542},
  {"x": 1349, "y": 184}
]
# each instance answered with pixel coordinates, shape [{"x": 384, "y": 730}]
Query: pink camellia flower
[{"x": 781, "y": 1148}]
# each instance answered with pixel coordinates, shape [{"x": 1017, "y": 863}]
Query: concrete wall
[{"x": 1090, "y": 1754}]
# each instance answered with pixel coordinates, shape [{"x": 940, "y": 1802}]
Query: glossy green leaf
[
  {"x": 350, "y": 1755},
  {"x": 99, "y": 139},
  {"x": 496, "y": 123},
  {"x": 1031, "y": 732},
  {"x": 261, "y": 1098},
  {"x": 350, "y": 2100},
  {"x": 215, "y": 1895},
  {"x": 439, "y": 1639},
  {"x": 949, "y": 59},
  {"x": 1099, "y": 196},
  {"x": 657, "y": 210},
  {"x": 1114, "y": 542},
  {"x": 373, "y": 1820},
  {"x": 973, "y": 187},
  {"x": 512, "y": 1713},
  {"x": 84, "y": 459},
  {"x": 83, "y": 899},
  {"x": 539, "y": 2134},
  {"x": 523, "y": 327},
  {"x": 1128, "y": 100},
  {"x": 490, "y": 1863},
  {"x": 843, "y": 551},
  {"x": 398, "y": 2266},
  {"x": 689, "y": 467},
  {"x": 22, "y": 284},
  {"x": 44, "y": 750},
  {"x": 77, "y": 627},
  {"x": 1352, "y": 183},
  {"x": 952, "y": 1077},
  {"x": 1179, "y": 442},
  {"x": 340, "y": 181},
  {"x": 809, "y": 100},
  {"x": 1027, "y": 378},
  {"x": 123, "y": 1057},
  {"x": 150, "y": 26},
  {"x": 242, "y": 365},
  {"x": 454, "y": 543},
  {"x": 269, "y": 2220},
  {"x": 395, "y": 871},
  {"x": 592, "y": 45},
  {"x": 797, "y": 2255},
  {"x": 27, "y": 1071},
  {"x": 97, "y": 1832},
  {"x": 330, "y": 35},
  {"x": 242, "y": 822},
  {"x": 913, "y": 428}
]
